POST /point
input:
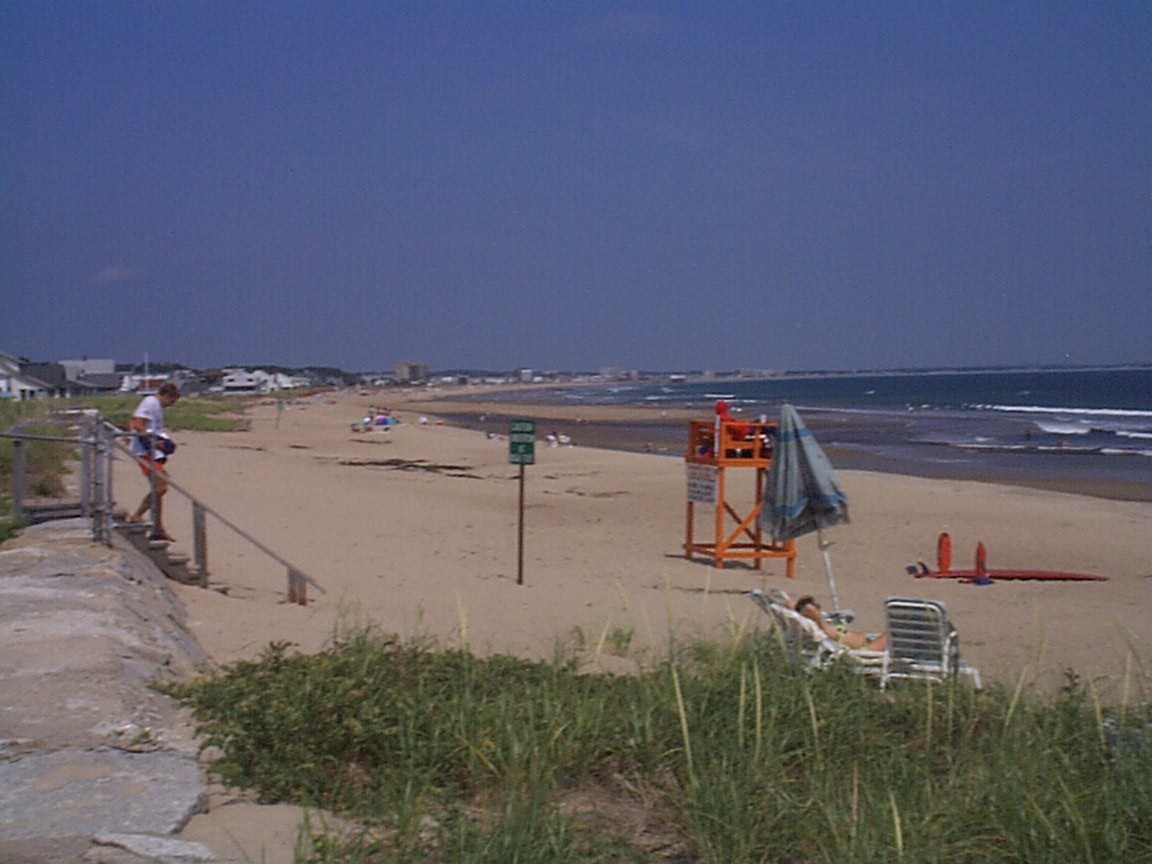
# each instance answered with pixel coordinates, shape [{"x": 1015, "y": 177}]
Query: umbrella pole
[{"x": 824, "y": 544}]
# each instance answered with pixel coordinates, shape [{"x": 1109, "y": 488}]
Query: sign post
[{"x": 521, "y": 451}]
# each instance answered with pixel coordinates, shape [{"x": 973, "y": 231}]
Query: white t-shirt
[{"x": 152, "y": 413}]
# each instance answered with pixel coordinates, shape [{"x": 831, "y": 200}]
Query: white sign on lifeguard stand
[{"x": 701, "y": 483}]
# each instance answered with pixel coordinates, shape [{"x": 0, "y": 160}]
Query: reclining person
[{"x": 854, "y": 639}]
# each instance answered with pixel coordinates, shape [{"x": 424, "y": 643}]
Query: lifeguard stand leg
[
  {"x": 688, "y": 530},
  {"x": 718, "y": 552}
]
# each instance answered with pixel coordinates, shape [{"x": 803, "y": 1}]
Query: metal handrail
[
  {"x": 297, "y": 578},
  {"x": 99, "y": 439}
]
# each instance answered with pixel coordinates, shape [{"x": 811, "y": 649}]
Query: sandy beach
[{"x": 415, "y": 531}]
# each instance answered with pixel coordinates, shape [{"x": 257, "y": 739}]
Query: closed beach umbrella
[{"x": 802, "y": 493}]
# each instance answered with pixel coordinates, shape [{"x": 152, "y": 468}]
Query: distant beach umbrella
[{"x": 802, "y": 494}]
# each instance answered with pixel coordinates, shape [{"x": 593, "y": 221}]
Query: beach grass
[
  {"x": 712, "y": 753},
  {"x": 45, "y": 462},
  {"x": 195, "y": 414}
]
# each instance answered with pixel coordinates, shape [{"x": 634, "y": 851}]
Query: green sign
[{"x": 522, "y": 442}]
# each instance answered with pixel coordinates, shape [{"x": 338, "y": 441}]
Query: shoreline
[{"x": 662, "y": 431}]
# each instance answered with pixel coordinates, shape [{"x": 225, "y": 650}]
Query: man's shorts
[{"x": 147, "y": 465}]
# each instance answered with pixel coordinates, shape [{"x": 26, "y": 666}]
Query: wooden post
[
  {"x": 688, "y": 530},
  {"x": 757, "y": 531},
  {"x": 297, "y": 587},
  {"x": 721, "y": 546},
  {"x": 200, "y": 541}
]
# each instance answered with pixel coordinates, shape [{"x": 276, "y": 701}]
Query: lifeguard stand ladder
[{"x": 714, "y": 448}]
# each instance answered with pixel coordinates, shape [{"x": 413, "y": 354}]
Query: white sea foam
[
  {"x": 1057, "y": 428},
  {"x": 1085, "y": 412}
]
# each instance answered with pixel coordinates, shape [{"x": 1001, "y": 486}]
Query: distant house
[
  {"x": 88, "y": 377},
  {"x": 242, "y": 381},
  {"x": 284, "y": 381},
  {"x": 53, "y": 376},
  {"x": 18, "y": 384},
  {"x": 141, "y": 383}
]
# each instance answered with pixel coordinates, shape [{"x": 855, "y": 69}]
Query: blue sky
[{"x": 571, "y": 185}]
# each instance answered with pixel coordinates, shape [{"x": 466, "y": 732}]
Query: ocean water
[{"x": 1083, "y": 425}]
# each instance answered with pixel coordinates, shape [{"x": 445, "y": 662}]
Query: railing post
[
  {"x": 87, "y": 467},
  {"x": 108, "y": 438},
  {"x": 19, "y": 478},
  {"x": 200, "y": 540},
  {"x": 101, "y": 480},
  {"x": 298, "y": 581},
  {"x": 153, "y": 513}
]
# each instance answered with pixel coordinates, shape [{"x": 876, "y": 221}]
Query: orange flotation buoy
[{"x": 943, "y": 553}]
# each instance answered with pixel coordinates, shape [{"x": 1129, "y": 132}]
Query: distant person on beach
[{"x": 152, "y": 447}]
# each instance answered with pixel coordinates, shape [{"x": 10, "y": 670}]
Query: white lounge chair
[
  {"x": 922, "y": 643},
  {"x": 806, "y": 645}
]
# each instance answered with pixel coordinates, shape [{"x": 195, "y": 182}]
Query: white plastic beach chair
[
  {"x": 922, "y": 643},
  {"x": 806, "y": 645}
]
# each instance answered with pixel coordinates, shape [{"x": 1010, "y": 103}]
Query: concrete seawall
[{"x": 95, "y": 766}]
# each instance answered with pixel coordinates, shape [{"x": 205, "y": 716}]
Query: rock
[
  {"x": 87, "y": 748},
  {"x": 167, "y": 849},
  {"x": 87, "y": 792}
]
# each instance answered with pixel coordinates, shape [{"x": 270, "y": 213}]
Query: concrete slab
[{"x": 87, "y": 748}]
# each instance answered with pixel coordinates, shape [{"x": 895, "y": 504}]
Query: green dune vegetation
[
  {"x": 45, "y": 461},
  {"x": 196, "y": 413},
  {"x": 714, "y": 753}
]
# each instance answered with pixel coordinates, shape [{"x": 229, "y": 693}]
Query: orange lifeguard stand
[{"x": 716, "y": 447}]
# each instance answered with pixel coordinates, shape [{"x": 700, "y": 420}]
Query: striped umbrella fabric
[{"x": 802, "y": 493}]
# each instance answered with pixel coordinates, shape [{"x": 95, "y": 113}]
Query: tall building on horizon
[{"x": 408, "y": 372}]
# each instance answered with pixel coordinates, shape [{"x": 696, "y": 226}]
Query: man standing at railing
[{"x": 152, "y": 448}]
